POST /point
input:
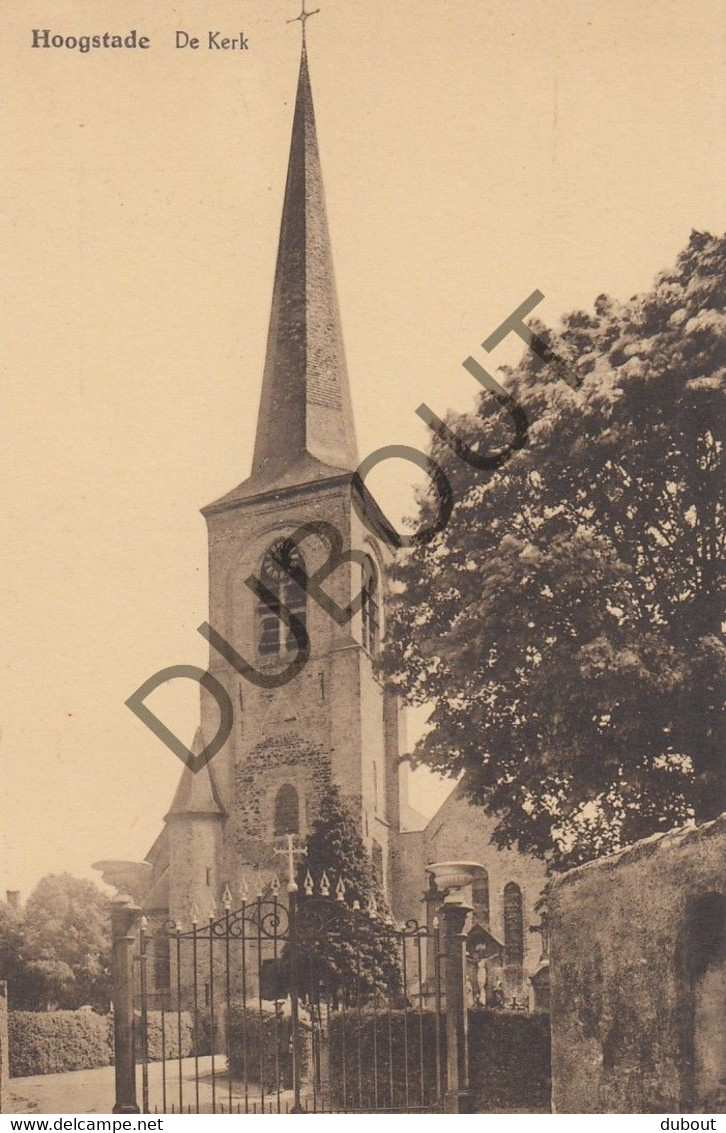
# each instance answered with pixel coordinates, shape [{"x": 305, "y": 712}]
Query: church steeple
[{"x": 305, "y": 408}]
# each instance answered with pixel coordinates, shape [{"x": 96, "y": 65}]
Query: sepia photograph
[{"x": 362, "y": 721}]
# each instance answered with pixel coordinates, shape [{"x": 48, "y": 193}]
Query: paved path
[
  {"x": 79, "y": 1091},
  {"x": 92, "y": 1091}
]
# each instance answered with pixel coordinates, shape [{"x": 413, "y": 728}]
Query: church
[{"x": 334, "y": 720}]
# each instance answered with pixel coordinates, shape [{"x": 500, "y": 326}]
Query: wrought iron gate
[{"x": 287, "y": 1006}]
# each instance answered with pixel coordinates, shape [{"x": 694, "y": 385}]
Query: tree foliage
[
  {"x": 567, "y": 623},
  {"x": 55, "y": 953},
  {"x": 11, "y": 941},
  {"x": 354, "y": 949}
]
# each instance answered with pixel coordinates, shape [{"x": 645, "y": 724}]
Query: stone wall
[
  {"x": 4, "y": 1055},
  {"x": 638, "y": 978}
]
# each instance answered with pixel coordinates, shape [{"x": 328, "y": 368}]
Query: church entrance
[{"x": 294, "y": 1004}]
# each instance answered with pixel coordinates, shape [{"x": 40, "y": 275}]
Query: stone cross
[{"x": 291, "y": 850}]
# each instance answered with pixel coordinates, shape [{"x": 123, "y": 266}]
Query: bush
[
  {"x": 176, "y": 1026},
  {"x": 168, "y": 1046},
  {"x": 377, "y": 1059},
  {"x": 509, "y": 1060},
  {"x": 52, "y": 1042},
  {"x": 209, "y": 1036},
  {"x": 269, "y": 1046}
]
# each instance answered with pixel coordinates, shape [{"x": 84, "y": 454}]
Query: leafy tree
[
  {"x": 567, "y": 623},
  {"x": 346, "y": 948},
  {"x": 66, "y": 945},
  {"x": 11, "y": 941}
]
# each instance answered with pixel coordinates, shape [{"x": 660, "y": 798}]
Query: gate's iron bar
[
  {"x": 212, "y": 1026},
  {"x": 293, "y": 974},
  {"x": 375, "y": 1047},
  {"x": 420, "y": 1017},
  {"x": 277, "y": 1010},
  {"x": 195, "y": 986},
  {"x": 136, "y": 964},
  {"x": 390, "y": 1050},
  {"x": 259, "y": 1003},
  {"x": 359, "y": 1010},
  {"x": 405, "y": 1023},
  {"x": 315, "y": 1035},
  {"x": 343, "y": 994},
  {"x": 178, "y": 1016},
  {"x": 329, "y": 1045},
  {"x": 437, "y": 1006},
  {"x": 228, "y": 999},
  {"x": 163, "y": 1041},
  {"x": 244, "y": 1006},
  {"x": 144, "y": 1019}
]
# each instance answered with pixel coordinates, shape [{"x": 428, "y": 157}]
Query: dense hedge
[
  {"x": 382, "y": 1059},
  {"x": 509, "y": 1062},
  {"x": 269, "y": 1046},
  {"x": 52, "y": 1042},
  {"x": 173, "y": 1025},
  {"x": 391, "y": 1058}
]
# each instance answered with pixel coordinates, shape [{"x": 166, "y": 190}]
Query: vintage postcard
[{"x": 362, "y": 713}]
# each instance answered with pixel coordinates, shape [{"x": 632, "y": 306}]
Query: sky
[{"x": 472, "y": 152}]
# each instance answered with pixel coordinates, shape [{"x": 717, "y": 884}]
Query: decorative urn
[{"x": 451, "y": 877}]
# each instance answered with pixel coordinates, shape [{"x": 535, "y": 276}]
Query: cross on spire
[{"x": 303, "y": 18}]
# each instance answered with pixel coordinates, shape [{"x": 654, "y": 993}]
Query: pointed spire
[
  {"x": 196, "y": 793},
  {"x": 305, "y": 408}
]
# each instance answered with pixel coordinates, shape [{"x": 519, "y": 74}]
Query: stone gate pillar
[
  {"x": 453, "y": 915},
  {"x": 123, "y": 940},
  {"x": 4, "y": 1052}
]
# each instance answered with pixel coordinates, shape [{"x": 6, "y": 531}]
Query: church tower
[{"x": 333, "y": 721}]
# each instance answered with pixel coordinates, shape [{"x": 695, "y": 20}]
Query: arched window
[
  {"x": 480, "y": 898},
  {"x": 282, "y": 558},
  {"x": 513, "y": 924},
  {"x": 287, "y": 811},
  {"x": 370, "y": 610}
]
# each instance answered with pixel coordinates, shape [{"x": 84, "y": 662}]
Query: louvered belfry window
[{"x": 273, "y": 636}]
